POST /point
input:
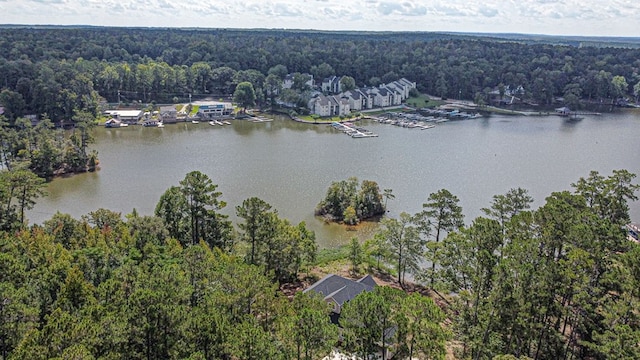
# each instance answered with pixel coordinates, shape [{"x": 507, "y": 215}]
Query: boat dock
[
  {"x": 422, "y": 124},
  {"x": 352, "y": 130}
]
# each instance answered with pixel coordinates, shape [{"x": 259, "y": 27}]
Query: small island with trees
[{"x": 349, "y": 203}]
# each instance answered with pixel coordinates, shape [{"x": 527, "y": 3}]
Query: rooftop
[
  {"x": 340, "y": 289},
  {"x": 125, "y": 113}
]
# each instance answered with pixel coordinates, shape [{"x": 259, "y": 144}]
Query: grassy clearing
[
  {"x": 423, "y": 101},
  {"x": 336, "y": 260},
  {"x": 326, "y": 256}
]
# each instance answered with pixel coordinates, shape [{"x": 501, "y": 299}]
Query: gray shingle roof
[
  {"x": 368, "y": 280},
  {"x": 340, "y": 289}
]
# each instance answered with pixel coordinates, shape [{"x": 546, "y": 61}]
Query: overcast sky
[{"x": 551, "y": 17}]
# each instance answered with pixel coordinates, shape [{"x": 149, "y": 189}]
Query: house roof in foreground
[{"x": 339, "y": 289}]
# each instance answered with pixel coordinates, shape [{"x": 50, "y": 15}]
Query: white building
[
  {"x": 391, "y": 94},
  {"x": 126, "y": 116},
  {"x": 331, "y": 85},
  {"x": 329, "y": 105},
  {"x": 287, "y": 82},
  {"x": 214, "y": 109}
]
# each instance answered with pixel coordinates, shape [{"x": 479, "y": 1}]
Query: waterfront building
[
  {"x": 390, "y": 94},
  {"x": 126, "y": 116},
  {"x": 208, "y": 110},
  {"x": 168, "y": 114}
]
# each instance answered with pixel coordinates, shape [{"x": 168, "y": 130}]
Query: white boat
[
  {"x": 114, "y": 123},
  {"x": 226, "y": 122},
  {"x": 160, "y": 124},
  {"x": 195, "y": 122},
  {"x": 212, "y": 123},
  {"x": 359, "y": 135},
  {"x": 150, "y": 123}
]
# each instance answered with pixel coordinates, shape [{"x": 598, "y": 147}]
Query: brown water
[{"x": 291, "y": 165}]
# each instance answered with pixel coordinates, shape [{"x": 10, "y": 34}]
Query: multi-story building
[{"x": 391, "y": 94}]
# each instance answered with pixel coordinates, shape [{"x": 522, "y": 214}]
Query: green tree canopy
[
  {"x": 191, "y": 212},
  {"x": 365, "y": 200},
  {"x": 245, "y": 95}
]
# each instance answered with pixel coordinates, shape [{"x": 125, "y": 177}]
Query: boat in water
[
  {"x": 150, "y": 123},
  {"x": 574, "y": 117},
  {"x": 115, "y": 123}
]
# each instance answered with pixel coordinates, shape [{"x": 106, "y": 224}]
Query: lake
[{"x": 290, "y": 165}]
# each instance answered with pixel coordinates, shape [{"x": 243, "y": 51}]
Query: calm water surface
[{"x": 291, "y": 165}]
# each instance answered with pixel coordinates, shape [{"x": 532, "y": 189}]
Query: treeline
[{"x": 59, "y": 70}]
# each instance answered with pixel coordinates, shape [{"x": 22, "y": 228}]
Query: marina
[
  {"x": 410, "y": 124},
  {"x": 352, "y": 130},
  {"x": 219, "y": 123}
]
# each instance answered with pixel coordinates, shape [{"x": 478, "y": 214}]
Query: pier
[{"x": 350, "y": 129}]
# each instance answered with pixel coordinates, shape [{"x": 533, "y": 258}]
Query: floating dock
[{"x": 352, "y": 130}]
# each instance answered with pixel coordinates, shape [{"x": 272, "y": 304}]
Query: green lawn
[
  {"x": 327, "y": 120},
  {"x": 423, "y": 101}
]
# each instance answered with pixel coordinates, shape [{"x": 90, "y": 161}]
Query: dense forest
[
  {"x": 558, "y": 282},
  {"x": 57, "y": 71}
]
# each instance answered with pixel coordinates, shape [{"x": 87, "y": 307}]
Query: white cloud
[
  {"x": 403, "y": 9},
  {"x": 588, "y": 17},
  {"x": 489, "y": 12}
]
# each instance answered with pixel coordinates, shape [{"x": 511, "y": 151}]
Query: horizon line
[{"x": 322, "y": 30}]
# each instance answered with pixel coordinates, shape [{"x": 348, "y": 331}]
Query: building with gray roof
[{"x": 338, "y": 290}]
